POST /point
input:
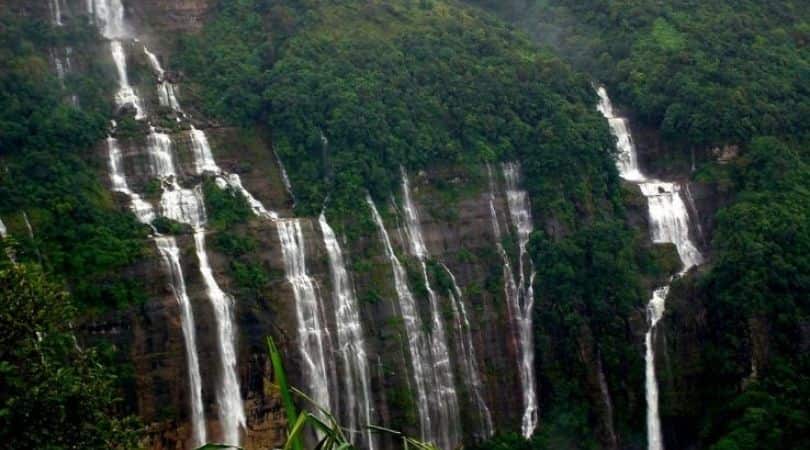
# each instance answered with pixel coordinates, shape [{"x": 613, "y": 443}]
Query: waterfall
[
  {"x": 655, "y": 310},
  {"x": 142, "y": 209},
  {"x": 520, "y": 213},
  {"x": 56, "y": 12},
  {"x": 446, "y": 401},
  {"x": 3, "y": 230},
  {"x": 109, "y": 16},
  {"x": 469, "y": 358},
  {"x": 188, "y": 206},
  {"x": 126, "y": 94},
  {"x": 669, "y": 223},
  {"x": 608, "y": 403},
  {"x": 185, "y": 206},
  {"x": 414, "y": 329},
  {"x": 510, "y": 288},
  {"x": 315, "y": 340},
  {"x": 165, "y": 89},
  {"x": 176, "y": 203},
  {"x": 358, "y": 401},
  {"x": 167, "y": 246},
  {"x": 204, "y": 162},
  {"x": 284, "y": 178},
  {"x": 627, "y": 159},
  {"x": 159, "y": 150},
  {"x": 670, "y": 220},
  {"x": 203, "y": 156},
  {"x": 231, "y": 410}
]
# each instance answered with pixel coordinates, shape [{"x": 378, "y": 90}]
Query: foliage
[
  {"x": 229, "y": 60},
  {"x": 226, "y": 207},
  {"x": 587, "y": 286},
  {"x": 321, "y": 420},
  {"x": 53, "y": 394},
  {"x": 762, "y": 247},
  {"x": 44, "y": 145},
  {"x": 164, "y": 225},
  {"x": 704, "y": 73},
  {"x": 346, "y": 116}
]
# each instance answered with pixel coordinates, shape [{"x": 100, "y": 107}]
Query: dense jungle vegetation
[
  {"x": 47, "y": 149},
  {"x": 705, "y": 74}
]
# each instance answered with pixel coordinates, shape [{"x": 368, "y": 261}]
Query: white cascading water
[
  {"x": 469, "y": 358},
  {"x": 315, "y": 340},
  {"x": 167, "y": 246},
  {"x": 414, "y": 330},
  {"x": 166, "y": 91},
  {"x": 523, "y": 304},
  {"x": 203, "y": 156},
  {"x": 669, "y": 223},
  {"x": 627, "y": 159},
  {"x": 669, "y": 220},
  {"x": 351, "y": 344},
  {"x": 444, "y": 399},
  {"x": 56, "y": 12},
  {"x": 231, "y": 411},
  {"x": 204, "y": 162},
  {"x": 62, "y": 64},
  {"x": 183, "y": 205},
  {"x": 161, "y": 158},
  {"x": 28, "y": 225},
  {"x": 126, "y": 94},
  {"x": 109, "y": 17},
  {"x": 284, "y": 177},
  {"x": 143, "y": 210},
  {"x": 9, "y": 250},
  {"x": 510, "y": 288}
]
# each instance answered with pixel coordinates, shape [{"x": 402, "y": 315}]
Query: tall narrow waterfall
[
  {"x": 414, "y": 330},
  {"x": 351, "y": 343},
  {"x": 315, "y": 340},
  {"x": 469, "y": 358},
  {"x": 510, "y": 288},
  {"x": 520, "y": 213},
  {"x": 445, "y": 399},
  {"x": 3, "y": 230},
  {"x": 669, "y": 223},
  {"x": 167, "y": 246},
  {"x": 231, "y": 410}
]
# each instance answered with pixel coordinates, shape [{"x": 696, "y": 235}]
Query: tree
[{"x": 53, "y": 393}]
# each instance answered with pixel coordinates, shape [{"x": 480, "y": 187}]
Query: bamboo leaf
[{"x": 286, "y": 396}]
